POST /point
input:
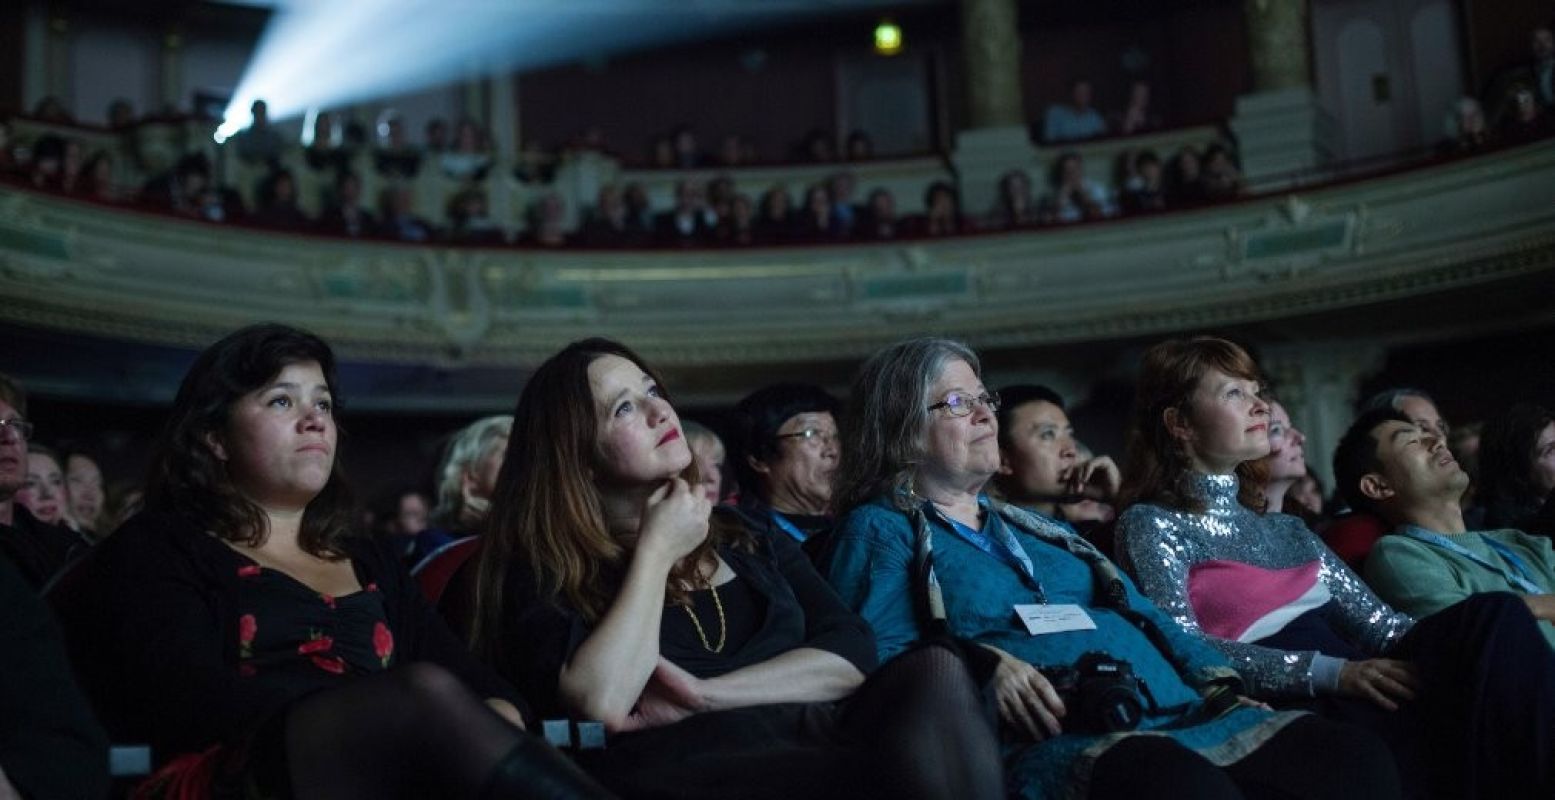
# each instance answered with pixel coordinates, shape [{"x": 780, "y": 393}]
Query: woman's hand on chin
[
  {"x": 674, "y": 521},
  {"x": 671, "y": 695}
]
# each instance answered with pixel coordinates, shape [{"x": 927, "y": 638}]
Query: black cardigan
[
  {"x": 542, "y": 633},
  {"x": 152, "y": 623},
  {"x": 49, "y": 744}
]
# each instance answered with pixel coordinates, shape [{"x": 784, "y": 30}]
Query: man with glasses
[
  {"x": 37, "y": 550},
  {"x": 786, "y": 451}
]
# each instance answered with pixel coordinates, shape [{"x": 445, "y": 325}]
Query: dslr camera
[{"x": 1101, "y": 694}]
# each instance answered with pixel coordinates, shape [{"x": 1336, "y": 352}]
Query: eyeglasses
[
  {"x": 811, "y": 436},
  {"x": 961, "y": 405},
  {"x": 22, "y": 427}
]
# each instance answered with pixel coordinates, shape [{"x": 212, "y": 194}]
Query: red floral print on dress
[
  {"x": 316, "y": 644},
  {"x": 248, "y": 627},
  {"x": 383, "y": 643},
  {"x": 248, "y": 571},
  {"x": 329, "y": 664},
  {"x": 329, "y": 600}
]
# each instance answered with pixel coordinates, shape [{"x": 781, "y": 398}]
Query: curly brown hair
[{"x": 187, "y": 479}]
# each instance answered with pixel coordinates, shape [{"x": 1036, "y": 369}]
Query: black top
[
  {"x": 742, "y": 612},
  {"x": 50, "y": 746},
  {"x": 37, "y": 549},
  {"x": 183, "y": 642},
  {"x": 801, "y": 610}
]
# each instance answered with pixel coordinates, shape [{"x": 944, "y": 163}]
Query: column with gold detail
[
  {"x": 997, "y": 138},
  {"x": 1280, "y": 126}
]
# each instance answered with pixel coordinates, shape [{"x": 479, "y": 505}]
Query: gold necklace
[{"x": 723, "y": 627}]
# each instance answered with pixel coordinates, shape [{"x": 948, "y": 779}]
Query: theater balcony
[{"x": 1403, "y": 255}]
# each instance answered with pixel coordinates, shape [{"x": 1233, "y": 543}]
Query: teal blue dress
[{"x": 1023, "y": 558}]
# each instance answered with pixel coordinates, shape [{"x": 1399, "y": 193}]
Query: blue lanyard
[
  {"x": 1524, "y": 577},
  {"x": 788, "y": 526},
  {"x": 1004, "y": 548}
]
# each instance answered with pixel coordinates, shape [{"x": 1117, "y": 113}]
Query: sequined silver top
[{"x": 1160, "y": 546}]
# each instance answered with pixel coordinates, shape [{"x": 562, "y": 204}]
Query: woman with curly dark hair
[
  {"x": 243, "y": 628},
  {"x": 1517, "y": 469}
]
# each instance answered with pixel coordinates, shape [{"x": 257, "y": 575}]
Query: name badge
[{"x": 1042, "y": 619}]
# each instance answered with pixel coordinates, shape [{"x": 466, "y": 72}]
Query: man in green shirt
[{"x": 1388, "y": 465}]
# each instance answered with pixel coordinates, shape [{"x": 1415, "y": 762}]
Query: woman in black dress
[
  {"x": 242, "y": 628},
  {"x": 720, "y": 662}
]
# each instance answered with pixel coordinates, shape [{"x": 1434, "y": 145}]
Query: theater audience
[
  {"x": 879, "y": 219},
  {"x": 326, "y": 152},
  {"x": 50, "y": 745},
  {"x": 84, "y": 490},
  {"x": 1074, "y": 197},
  {"x": 435, "y": 134},
  {"x": 547, "y": 222},
  {"x": 470, "y": 223},
  {"x": 1517, "y": 468},
  {"x": 37, "y": 550},
  {"x": 688, "y": 153},
  {"x": 860, "y": 147},
  {"x": 775, "y": 221},
  {"x": 1389, "y": 466},
  {"x": 719, "y": 660},
  {"x": 942, "y": 215},
  {"x": 817, "y": 221},
  {"x": 1539, "y": 71},
  {"x": 1415, "y": 404},
  {"x": 399, "y": 217},
  {"x": 48, "y": 156},
  {"x": 840, "y": 187},
  {"x": 1465, "y": 697},
  {"x": 785, "y": 454},
  {"x": 818, "y": 147},
  {"x": 707, "y": 450},
  {"x": 44, "y": 492},
  {"x": 1016, "y": 208},
  {"x": 1524, "y": 120},
  {"x": 97, "y": 182},
  {"x": 261, "y": 142},
  {"x": 924, "y": 548},
  {"x": 1075, "y": 120},
  {"x": 1137, "y": 115},
  {"x": 1221, "y": 179},
  {"x": 1306, "y": 500},
  {"x": 1144, "y": 190},
  {"x": 738, "y": 227},
  {"x": 607, "y": 224},
  {"x": 470, "y": 159},
  {"x": 394, "y": 156},
  {"x": 244, "y": 628},
  {"x": 1467, "y": 130},
  {"x": 1185, "y": 178},
  {"x": 277, "y": 204},
  {"x": 466, "y": 477},
  {"x": 347, "y": 216},
  {"x": 1040, "y": 469},
  {"x": 1286, "y": 462},
  {"x": 690, "y": 221}
]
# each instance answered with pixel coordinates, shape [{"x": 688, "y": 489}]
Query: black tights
[
  {"x": 1308, "y": 759},
  {"x": 415, "y": 730},
  {"x": 917, "y": 728},
  {"x": 920, "y": 717}
]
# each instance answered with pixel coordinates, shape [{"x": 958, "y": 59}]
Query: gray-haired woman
[
  {"x": 1102, "y": 695},
  {"x": 465, "y": 478}
]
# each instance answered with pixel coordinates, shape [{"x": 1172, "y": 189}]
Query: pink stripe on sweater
[{"x": 1229, "y": 597}]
